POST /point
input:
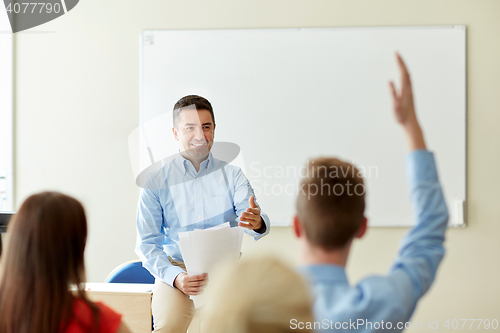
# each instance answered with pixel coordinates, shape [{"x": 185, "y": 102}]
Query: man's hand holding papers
[
  {"x": 191, "y": 284},
  {"x": 202, "y": 251}
]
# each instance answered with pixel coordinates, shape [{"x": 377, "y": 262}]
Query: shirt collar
[
  {"x": 208, "y": 163},
  {"x": 325, "y": 272}
]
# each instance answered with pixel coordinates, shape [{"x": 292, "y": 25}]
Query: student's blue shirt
[
  {"x": 391, "y": 298},
  {"x": 176, "y": 198}
]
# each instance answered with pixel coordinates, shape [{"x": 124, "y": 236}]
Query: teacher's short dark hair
[{"x": 199, "y": 102}]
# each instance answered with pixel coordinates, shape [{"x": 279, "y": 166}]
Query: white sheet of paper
[{"x": 203, "y": 250}]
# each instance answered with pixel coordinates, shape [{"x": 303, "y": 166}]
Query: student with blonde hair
[
  {"x": 257, "y": 295},
  {"x": 44, "y": 259}
]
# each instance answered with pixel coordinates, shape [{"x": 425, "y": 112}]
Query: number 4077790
[
  {"x": 471, "y": 324},
  {"x": 33, "y": 8}
]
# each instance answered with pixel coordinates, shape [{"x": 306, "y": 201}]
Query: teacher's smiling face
[{"x": 195, "y": 132}]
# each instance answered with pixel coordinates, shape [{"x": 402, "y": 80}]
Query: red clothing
[{"x": 109, "y": 320}]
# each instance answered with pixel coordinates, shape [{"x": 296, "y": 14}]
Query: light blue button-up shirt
[
  {"x": 390, "y": 299},
  {"x": 176, "y": 198}
]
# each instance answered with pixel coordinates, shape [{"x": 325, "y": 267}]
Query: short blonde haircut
[{"x": 257, "y": 295}]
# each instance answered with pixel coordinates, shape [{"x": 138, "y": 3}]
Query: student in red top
[{"x": 44, "y": 258}]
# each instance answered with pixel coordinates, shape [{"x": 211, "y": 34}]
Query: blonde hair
[{"x": 257, "y": 295}]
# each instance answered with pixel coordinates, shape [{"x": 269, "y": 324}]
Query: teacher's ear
[{"x": 176, "y": 134}]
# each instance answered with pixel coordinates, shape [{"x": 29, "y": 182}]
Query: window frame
[{"x": 6, "y": 114}]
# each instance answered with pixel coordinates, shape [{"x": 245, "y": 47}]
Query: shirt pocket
[{"x": 217, "y": 205}]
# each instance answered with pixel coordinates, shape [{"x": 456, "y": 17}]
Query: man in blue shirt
[
  {"x": 327, "y": 223},
  {"x": 193, "y": 190}
]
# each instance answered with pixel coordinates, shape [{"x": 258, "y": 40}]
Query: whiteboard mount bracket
[{"x": 459, "y": 216}]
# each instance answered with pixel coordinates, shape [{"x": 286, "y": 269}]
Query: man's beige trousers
[{"x": 172, "y": 309}]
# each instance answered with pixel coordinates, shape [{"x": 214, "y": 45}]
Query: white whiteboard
[{"x": 286, "y": 95}]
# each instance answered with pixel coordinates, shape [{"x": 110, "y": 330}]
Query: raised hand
[{"x": 404, "y": 108}]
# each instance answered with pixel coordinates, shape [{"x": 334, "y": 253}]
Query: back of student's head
[
  {"x": 331, "y": 202},
  {"x": 45, "y": 256},
  {"x": 257, "y": 295}
]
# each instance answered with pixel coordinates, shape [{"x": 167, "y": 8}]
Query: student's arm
[
  {"x": 404, "y": 109},
  {"x": 422, "y": 249}
]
